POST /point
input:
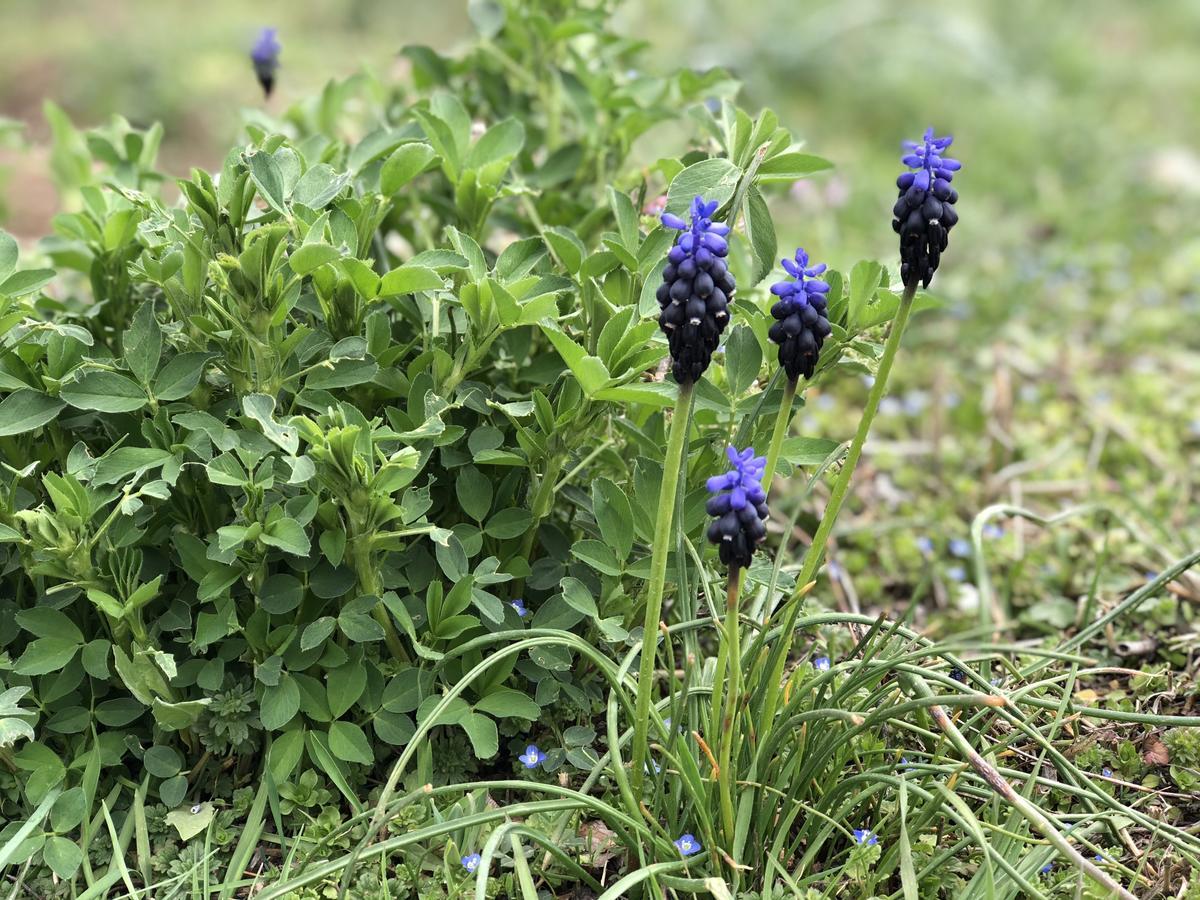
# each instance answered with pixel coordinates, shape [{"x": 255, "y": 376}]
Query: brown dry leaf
[
  {"x": 1155, "y": 752},
  {"x": 602, "y": 845}
]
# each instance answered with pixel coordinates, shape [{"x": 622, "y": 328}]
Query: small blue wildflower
[
  {"x": 924, "y": 213},
  {"x": 890, "y": 406},
  {"x": 739, "y": 506},
  {"x": 657, "y": 767},
  {"x": 532, "y": 757},
  {"x": 996, "y": 681},
  {"x": 822, "y": 664},
  {"x": 992, "y": 531},
  {"x": 1106, "y": 772},
  {"x": 915, "y": 402},
  {"x": 956, "y": 573},
  {"x": 1099, "y": 857},
  {"x": 265, "y": 56},
  {"x": 834, "y": 570},
  {"x": 1047, "y": 868},
  {"x": 925, "y": 545},
  {"x": 696, "y": 291},
  {"x": 471, "y": 862},
  {"x": 519, "y": 605},
  {"x": 687, "y": 844},
  {"x": 801, "y": 316},
  {"x": 865, "y": 836},
  {"x": 960, "y": 548}
]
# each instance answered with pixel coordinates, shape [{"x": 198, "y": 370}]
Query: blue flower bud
[
  {"x": 924, "y": 213},
  {"x": 696, "y": 290},
  {"x": 739, "y": 508},
  {"x": 801, "y": 316},
  {"x": 265, "y": 56}
]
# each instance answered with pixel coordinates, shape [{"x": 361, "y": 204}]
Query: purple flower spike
[
  {"x": 739, "y": 505},
  {"x": 696, "y": 291},
  {"x": 532, "y": 757},
  {"x": 801, "y": 316},
  {"x": 924, "y": 213},
  {"x": 265, "y": 56}
]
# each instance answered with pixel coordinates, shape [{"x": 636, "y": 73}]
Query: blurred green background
[{"x": 1064, "y": 367}]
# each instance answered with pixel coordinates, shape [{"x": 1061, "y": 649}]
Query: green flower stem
[
  {"x": 781, "y": 426},
  {"x": 840, "y": 488},
  {"x": 731, "y": 649},
  {"x": 672, "y": 464}
]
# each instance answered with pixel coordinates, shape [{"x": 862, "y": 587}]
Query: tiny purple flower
[
  {"x": 1047, "y": 868},
  {"x": 866, "y": 837},
  {"x": 519, "y": 605},
  {"x": 992, "y": 531},
  {"x": 687, "y": 844},
  {"x": 471, "y": 862},
  {"x": 925, "y": 545},
  {"x": 532, "y": 757},
  {"x": 960, "y": 548},
  {"x": 956, "y": 573},
  {"x": 1106, "y": 772},
  {"x": 822, "y": 664}
]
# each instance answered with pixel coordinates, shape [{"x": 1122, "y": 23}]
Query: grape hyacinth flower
[
  {"x": 865, "y": 836},
  {"x": 696, "y": 291},
  {"x": 471, "y": 862},
  {"x": 924, "y": 213},
  {"x": 687, "y": 844},
  {"x": 265, "y": 56},
  {"x": 801, "y": 316},
  {"x": 532, "y": 757},
  {"x": 739, "y": 504}
]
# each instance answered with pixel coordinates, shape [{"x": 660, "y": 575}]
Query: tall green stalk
[
  {"x": 781, "y": 426},
  {"x": 672, "y": 464},
  {"x": 731, "y": 650},
  {"x": 841, "y": 487}
]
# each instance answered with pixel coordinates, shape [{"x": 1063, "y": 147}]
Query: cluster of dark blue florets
[
  {"x": 265, "y": 56},
  {"x": 924, "y": 213},
  {"x": 801, "y": 317},
  {"x": 696, "y": 291},
  {"x": 739, "y": 505}
]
